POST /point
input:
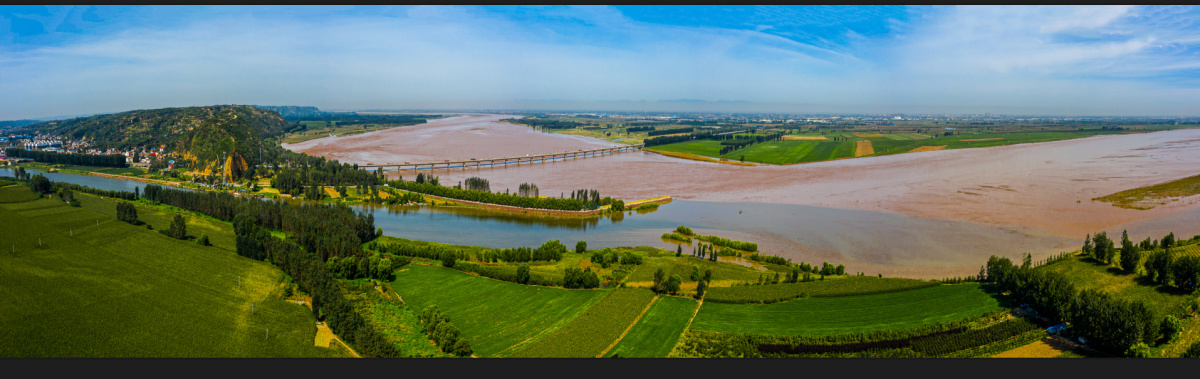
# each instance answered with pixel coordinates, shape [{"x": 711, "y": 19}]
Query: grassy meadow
[{"x": 118, "y": 290}]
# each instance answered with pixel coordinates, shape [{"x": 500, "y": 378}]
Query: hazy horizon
[{"x": 1036, "y": 61}]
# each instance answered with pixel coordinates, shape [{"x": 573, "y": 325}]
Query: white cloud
[{"x": 952, "y": 60}]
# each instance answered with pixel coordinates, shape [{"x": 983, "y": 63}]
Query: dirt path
[
  {"x": 635, "y": 321},
  {"x": 325, "y": 336}
]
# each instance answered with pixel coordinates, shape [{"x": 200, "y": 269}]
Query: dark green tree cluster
[
  {"x": 551, "y": 250},
  {"x": 574, "y": 277},
  {"x": 1101, "y": 248},
  {"x": 367, "y": 266},
  {"x": 705, "y": 251},
  {"x": 527, "y": 190},
  {"x": 665, "y": 284},
  {"x": 178, "y": 228},
  {"x": 127, "y": 212},
  {"x": 67, "y": 158},
  {"x": 38, "y": 183},
  {"x": 300, "y": 171},
  {"x": 636, "y": 129},
  {"x": 732, "y": 244},
  {"x": 444, "y": 334},
  {"x": 476, "y": 183},
  {"x": 488, "y": 197},
  {"x": 772, "y": 259}
]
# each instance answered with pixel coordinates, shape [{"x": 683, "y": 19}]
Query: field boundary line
[{"x": 635, "y": 321}]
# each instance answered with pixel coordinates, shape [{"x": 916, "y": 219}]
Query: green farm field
[
  {"x": 588, "y": 335},
  {"x": 16, "y": 193},
  {"x": 118, "y": 290},
  {"x": 802, "y": 151},
  {"x": 831, "y": 287},
  {"x": 498, "y": 318},
  {"x": 722, "y": 272},
  {"x": 843, "y": 315},
  {"x": 659, "y": 329}
]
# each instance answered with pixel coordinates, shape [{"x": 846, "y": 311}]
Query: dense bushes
[
  {"x": 746, "y": 246},
  {"x": 676, "y": 237},
  {"x": 127, "y": 212},
  {"x": 574, "y": 277},
  {"x": 68, "y": 159},
  {"x": 444, "y": 334}
]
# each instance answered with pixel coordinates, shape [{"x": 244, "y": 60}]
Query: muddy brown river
[{"x": 959, "y": 206}]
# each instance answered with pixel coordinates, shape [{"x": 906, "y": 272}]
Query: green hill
[{"x": 204, "y": 133}]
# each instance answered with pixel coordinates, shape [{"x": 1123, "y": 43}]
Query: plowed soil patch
[
  {"x": 862, "y": 148},
  {"x": 1045, "y": 348},
  {"x": 928, "y": 148}
]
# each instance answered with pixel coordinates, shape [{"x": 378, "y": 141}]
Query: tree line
[
  {"x": 1160, "y": 264},
  {"x": 669, "y": 131},
  {"x": 546, "y": 123},
  {"x": 1109, "y": 324},
  {"x": 488, "y": 197},
  {"x": 68, "y": 158}
]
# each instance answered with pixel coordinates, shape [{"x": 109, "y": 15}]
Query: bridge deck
[{"x": 500, "y": 161}]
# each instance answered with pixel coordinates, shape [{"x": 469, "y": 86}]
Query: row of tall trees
[{"x": 67, "y": 158}]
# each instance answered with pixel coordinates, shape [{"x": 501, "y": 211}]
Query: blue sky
[{"x": 1056, "y": 60}]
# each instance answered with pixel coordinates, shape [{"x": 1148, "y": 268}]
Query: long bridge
[{"x": 492, "y": 162}]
